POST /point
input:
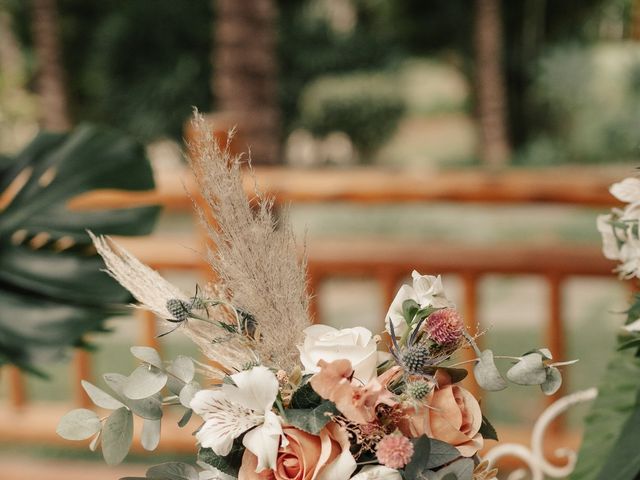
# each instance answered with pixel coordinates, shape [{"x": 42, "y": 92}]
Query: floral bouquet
[{"x": 281, "y": 398}]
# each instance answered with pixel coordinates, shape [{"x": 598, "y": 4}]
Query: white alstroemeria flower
[
  {"x": 427, "y": 291},
  {"x": 357, "y": 344},
  {"x": 231, "y": 410},
  {"x": 378, "y": 472},
  {"x": 144, "y": 283}
]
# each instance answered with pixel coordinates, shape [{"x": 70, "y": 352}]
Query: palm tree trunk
[
  {"x": 490, "y": 85},
  {"x": 245, "y": 65},
  {"x": 51, "y": 77}
]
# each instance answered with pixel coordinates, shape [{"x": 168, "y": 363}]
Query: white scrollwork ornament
[{"x": 537, "y": 464}]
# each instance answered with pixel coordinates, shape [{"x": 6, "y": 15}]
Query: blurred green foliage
[
  {"x": 141, "y": 65},
  {"x": 365, "y": 107},
  {"x": 590, "y": 98}
]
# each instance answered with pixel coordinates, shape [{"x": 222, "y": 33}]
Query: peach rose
[
  {"x": 303, "y": 456},
  {"x": 450, "y": 414},
  {"x": 355, "y": 401}
]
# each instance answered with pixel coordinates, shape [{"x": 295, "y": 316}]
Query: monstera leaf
[{"x": 52, "y": 290}]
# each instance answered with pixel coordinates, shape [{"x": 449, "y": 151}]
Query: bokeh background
[{"x": 405, "y": 88}]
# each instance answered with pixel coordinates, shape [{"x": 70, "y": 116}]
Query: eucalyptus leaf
[
  {"x": 185, "y": 418},
  {"x": 117, "y": 434},
  {"x": 144, "y": 382},
  {"x": 530, "y": 370},
  {"x": 418, "y": 465},
  {"x": 150, "y": 434},
  {"x": 148, "y": 355},
  {"x": 172, "y": 471},
  {"x": 150, "y": 407},
  {"x": 183, "y": 368},
  {"x": 188, "y": 392},
  {"x": 486, "y": 373},
  {"x": 312, "y": 420},
  {"x": 58, "y": 291},
  {"x": 409, "y": 310},
  {"x": 79, "y": 424},
  {"x": 553, "y": 381},
  {"x": 100, "y": 397},
  {"x": 441, "y": 453}
]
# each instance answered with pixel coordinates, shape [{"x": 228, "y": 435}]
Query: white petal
[
  {"x": 256, "y": 389},
  {"x": 395, "y": 310},
  {"x": 224, "y": 421},
  {"x": 263, "y": 441},
  {"x": 609, "y": 242},
  {"x": 628, "y": 190},
  {"x": 633, "y": 326}
]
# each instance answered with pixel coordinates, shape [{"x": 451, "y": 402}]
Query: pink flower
[
  {"x": 445, "y": 326},
  {"x": 394, "y": 451},
  {"x": 356, "y": 402}
]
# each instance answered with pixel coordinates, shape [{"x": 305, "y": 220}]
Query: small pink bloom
[
  {"x": 445, "y": 326},
  {"x": 394, "y": 451}
]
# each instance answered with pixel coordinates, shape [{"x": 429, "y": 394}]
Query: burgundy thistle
[
  {"x": 394, "y": 451},
  {"x": 445, "y": 326}
]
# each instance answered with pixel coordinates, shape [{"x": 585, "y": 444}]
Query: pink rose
[
  {"x": 450, "y": 414},
  {"x": 303, "y": 456}
]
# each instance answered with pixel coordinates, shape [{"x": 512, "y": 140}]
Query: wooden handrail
[{"x": 375, "y": 185}]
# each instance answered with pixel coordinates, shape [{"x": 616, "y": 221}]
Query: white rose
[
  {"x": 378, "y": 472},
  {"x": 327, "y": 343}
]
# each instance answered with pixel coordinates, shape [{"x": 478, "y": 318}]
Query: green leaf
[
  {"x": 487, "y": 374},
  {"x": 59, "y": 296},
  {"x": 229, "y": 464},
  {"x": 183, "y": 368},
  {"x": 440, "y": 453},
  {"x": 150, "y": 434},
  {"x": 552, "y": 382},
  {"x": 117, "y": 434},
  {"x": 188, "y": 392},
  {"x": 148, "y": 355},
  {"x": 615, "y": 404},
  {"x": 79, "y": 424},
  {"x": 172, "y": 471},
  {"x": 633, "y": 343},
  {"x": 312, "y": 420},
  {"x": 150, "y": 407},
  {"x": 409, "y": 310},
  {"x": 624, "y": 461},
  {"x": 100, "y": 397},
  {"x": 461, "y": 469},
  {"x": 530, "y": 370},
  {"x": 305, "y": 397},
  {"x": 418, "y": 465},
  {"x": 144, "y": 382},
  {"x": 487, "y": 430}
]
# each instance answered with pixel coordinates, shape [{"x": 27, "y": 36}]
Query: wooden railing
[{"x": 387, "y": 262}]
